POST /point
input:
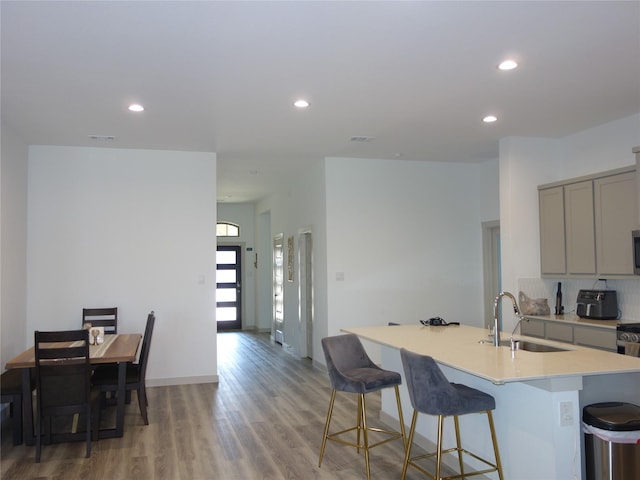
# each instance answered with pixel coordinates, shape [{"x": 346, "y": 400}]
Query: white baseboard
[{"x": 165, "y": 382}]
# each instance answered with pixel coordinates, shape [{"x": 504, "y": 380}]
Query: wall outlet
[{"x": 566, "y": 414}]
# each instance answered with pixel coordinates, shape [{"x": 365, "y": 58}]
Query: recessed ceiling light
[
  {"x": 490, "y": 119},
  {"x": 507, "y": 65},
  {"x": 136, "y": 107},
  {"x": 301, "y": 103}
]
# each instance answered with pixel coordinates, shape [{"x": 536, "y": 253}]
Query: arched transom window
[{"x": 227, "y": 229}]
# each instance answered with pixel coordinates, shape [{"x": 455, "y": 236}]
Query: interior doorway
[
  {"x": 228, "y": 287},
  {"x": 491, "y": 266},
  {"x": 278, "y": 289}
]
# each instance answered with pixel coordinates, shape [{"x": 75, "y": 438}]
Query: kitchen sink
[{"x": 532, "y": 347}]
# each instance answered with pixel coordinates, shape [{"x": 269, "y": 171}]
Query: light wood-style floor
[{"x": 263, "y": 420}]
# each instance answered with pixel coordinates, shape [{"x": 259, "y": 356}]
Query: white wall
[
  {"x": 13, "y": 244},
  {"x": 487, "y": 201},
  {"x": 264, "y": 275},
  {"x": 243, "y": 214},
  {"x": 407, "y": 239},
  {"x": 301, "y": 206},
  {"x": 133, "y": 229},
  {"x": 600, "y": 148},
  {"x": 525, "y": 163},
  {"x": 309, "y": 212}
]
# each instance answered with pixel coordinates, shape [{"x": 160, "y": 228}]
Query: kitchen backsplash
[{"x": 628, "y": 293}]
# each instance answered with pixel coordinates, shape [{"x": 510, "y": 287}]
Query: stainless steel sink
[{"x": 532, "y": 347}]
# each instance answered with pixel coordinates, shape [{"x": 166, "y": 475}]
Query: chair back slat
[
  {"x": 61, "y": 353},
  {"x": 101, "y": 317}
]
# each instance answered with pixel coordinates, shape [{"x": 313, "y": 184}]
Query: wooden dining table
[{"x": 117, "y": 349}]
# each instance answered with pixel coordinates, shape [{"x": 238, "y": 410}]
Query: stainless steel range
[{"x": 627, "y": 333}]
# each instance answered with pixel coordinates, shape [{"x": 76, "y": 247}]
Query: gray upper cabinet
[
  {"x": 586, "y": 224},
  {"x": 579, "y": 226},
  {"x": 552, "y": 241},
  {"x": 616, "y": 213}
]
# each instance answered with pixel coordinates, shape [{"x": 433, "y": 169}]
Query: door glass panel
[
  {"x": 225, "y": 257},
  {"x": 225, "y": 276},
  {"x": 226, "y": 295},
  {"x": 226, "y": 314}
]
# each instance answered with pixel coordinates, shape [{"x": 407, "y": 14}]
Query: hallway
[{"x": 263, "y": 420}]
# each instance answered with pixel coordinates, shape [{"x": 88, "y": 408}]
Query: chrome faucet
[
  {"x": 511, "y": 340},
  {"x": 497, "y": 321}
]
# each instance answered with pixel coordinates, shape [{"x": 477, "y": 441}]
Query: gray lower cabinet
[
  {"x": 586, "y": 336},
  {"x": 604, "y": 339},
  {"x": 560, "y": 332},
  {"x": 533, "y": 328}
]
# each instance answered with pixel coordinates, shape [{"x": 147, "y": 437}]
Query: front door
[{"x": 228, "y": 288}]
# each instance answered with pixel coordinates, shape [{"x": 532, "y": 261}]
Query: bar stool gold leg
[
  {"x": 407, "y": 454},
  {"x": 401, "y": 418},
  {"x": 359, "y": 424},
  {"x": 458, "y": 444},
  {"x": 365, "y": 437},
  {"x": 439, "y": 446},
  {"x": 326, "y": 426},
  {"x": 494, "y": 439}
]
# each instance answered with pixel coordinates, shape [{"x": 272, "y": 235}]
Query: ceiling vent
[
  {"x": 362, "y": 139},
  {"x": 102, "y": 138}
]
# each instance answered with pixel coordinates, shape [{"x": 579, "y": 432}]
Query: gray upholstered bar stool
[
  {"x": 433, "y": 394},
  {"x": 352, "y": 371}
]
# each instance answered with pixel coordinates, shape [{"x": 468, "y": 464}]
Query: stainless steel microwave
[{"x": 636, "y": 251}]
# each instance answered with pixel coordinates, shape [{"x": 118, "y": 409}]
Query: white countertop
[{"x": 458, "y": 346}]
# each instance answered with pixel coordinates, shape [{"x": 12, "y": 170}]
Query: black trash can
[{"x": 612, "y": 441}]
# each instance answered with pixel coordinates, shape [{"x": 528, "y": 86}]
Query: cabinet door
[
  {"x": 616, "y": 214},
  {"x": 552, "y": 246},
  {"x": 580, "y": 230},
  {"x": 559, "y": 332},
  {"x": 532, "y": 328},
  {"x": 595, "y": 338}
]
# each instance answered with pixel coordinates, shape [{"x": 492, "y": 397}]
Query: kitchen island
[{"x": 539, "y": 395}]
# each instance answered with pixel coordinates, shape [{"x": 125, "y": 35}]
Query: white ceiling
[{"x": 222, "y": 76}]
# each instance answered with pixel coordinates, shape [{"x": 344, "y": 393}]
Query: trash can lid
[{"x": 615, "y": 416}]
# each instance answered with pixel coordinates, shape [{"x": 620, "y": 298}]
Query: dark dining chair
[
  {"x": 63, "y": 385},
  {"x": 106, "y": 376},
  {"x": 11, "y": 390},
  {"x": 102, "y": 317}
]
